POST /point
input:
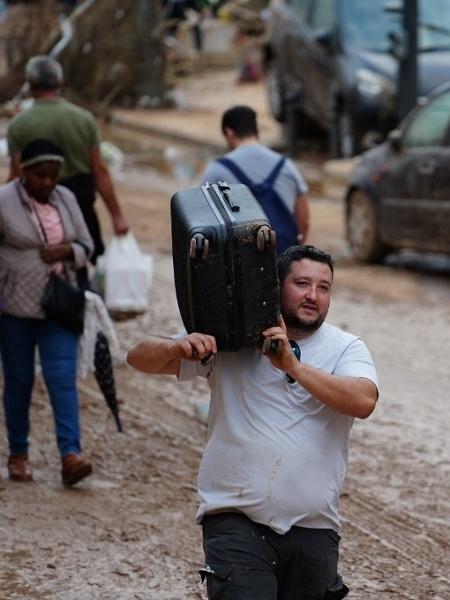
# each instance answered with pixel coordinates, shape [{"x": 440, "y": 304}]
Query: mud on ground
[{"x": 128, "y": 531}]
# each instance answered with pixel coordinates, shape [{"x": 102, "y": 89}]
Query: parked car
[
  {"x": 398, "y": 194},
  {"x": 330, "y": 65}
]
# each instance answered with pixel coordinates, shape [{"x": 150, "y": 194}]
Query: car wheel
[
  {"x": 362, "y": 229},
  {"x": 275, "y": 93}
]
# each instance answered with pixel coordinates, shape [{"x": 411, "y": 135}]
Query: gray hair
[{"x": 43, "y": 73}]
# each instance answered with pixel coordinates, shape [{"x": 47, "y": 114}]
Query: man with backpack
[{"x": 273, "y": 179}]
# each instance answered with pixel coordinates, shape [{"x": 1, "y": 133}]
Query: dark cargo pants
[{"x": 248, "y": 561}]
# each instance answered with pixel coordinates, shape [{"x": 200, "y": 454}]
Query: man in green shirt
[{"x": 74, "y": 129}]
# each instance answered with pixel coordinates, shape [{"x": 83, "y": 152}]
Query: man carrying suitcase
[
  {"x": 276, "y": 455},
  {"x": 273, "y": 179}
]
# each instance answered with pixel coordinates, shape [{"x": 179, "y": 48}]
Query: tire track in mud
[
  {"x": 417, "y": 548},
  {"x": 155, "y": 402},
  {"x": 394, "y": 529},
  {"x": 152, "y": 418}
]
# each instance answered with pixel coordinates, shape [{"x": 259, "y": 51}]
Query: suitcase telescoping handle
[{"x": 225, "y": 189}]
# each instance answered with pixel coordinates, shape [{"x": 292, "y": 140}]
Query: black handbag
[{"x": 64, "y": 304}]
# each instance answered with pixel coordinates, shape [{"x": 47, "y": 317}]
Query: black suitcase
[{"x": 225, "y": 264}]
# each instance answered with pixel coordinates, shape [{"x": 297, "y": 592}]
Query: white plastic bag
[{"x": 127, "y": 275}]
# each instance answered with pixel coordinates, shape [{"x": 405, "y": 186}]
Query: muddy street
[{"x": 128, "y": 531}]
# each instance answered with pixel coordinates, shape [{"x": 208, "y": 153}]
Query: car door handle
[{"x": 426, "y": 168}]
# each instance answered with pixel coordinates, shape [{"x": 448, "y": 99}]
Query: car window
[
  {"x": 434, "y": 25},
  {"x": 323, "y": 15},
  {"x": 300, "y": 7},
  {"x": 429, "y": 126},
  {"x": 368, "y": 23}
]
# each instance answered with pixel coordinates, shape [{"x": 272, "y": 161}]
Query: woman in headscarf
[{"x": 41, "y": 231}]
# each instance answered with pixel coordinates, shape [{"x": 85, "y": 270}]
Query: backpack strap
[
  {"x": 237, "y": 171},
  {"x": 243, "y": 178},
  {"x": 278, "y": 214},
  {"x": 272, "y": 177}
]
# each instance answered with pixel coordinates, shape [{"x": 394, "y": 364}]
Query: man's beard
[{"x": 293, "y": 321}]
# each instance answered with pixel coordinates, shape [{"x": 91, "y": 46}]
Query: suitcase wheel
[
  {"x": 271, "y": 346},
  {"x": 199, "y": 246},
  {"x": 265, "y": 238}
]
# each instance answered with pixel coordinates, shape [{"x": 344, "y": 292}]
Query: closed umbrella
[{"x": 105, "y": 376}]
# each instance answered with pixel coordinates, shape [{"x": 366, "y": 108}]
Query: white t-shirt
[{"x": 273, "y": 451}]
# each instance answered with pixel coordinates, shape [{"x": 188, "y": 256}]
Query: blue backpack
[{"x": 279, "y": 216}]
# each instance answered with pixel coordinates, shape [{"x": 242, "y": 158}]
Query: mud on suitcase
[{"x": 225, "y": 264}]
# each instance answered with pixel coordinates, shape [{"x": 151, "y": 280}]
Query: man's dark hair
[
  {"x": 242, "y": 120},
  {"x": 43, "y": 73},
  {"x": 296, "y": 253}
]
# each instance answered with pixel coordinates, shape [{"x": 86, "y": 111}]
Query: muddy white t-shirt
[{"x": 273, "y": 451}]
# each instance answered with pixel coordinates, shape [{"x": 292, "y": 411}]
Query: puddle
[{"x": 177, "y": 161}]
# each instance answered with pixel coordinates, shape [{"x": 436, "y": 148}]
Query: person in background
[
  {"x": 273, "y": 179},
  {"x": 278, "y": 436},
  {"x": 41, "y": 230},
  {"x": 179, "y": 11},
  {"x": 75, "y": 131}
]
